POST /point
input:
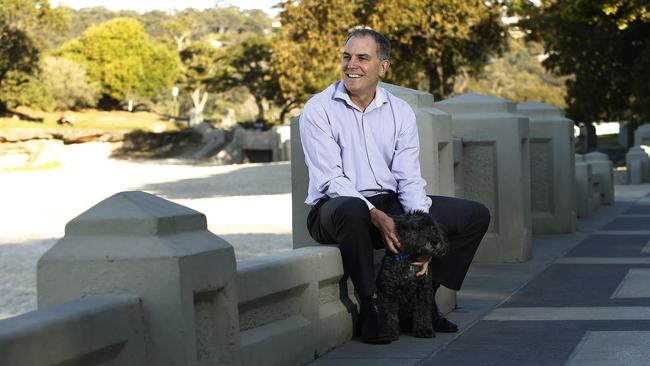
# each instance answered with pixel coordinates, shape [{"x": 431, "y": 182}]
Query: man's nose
[{"x": 352, "y": 63}]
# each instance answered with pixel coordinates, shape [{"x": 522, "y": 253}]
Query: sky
[{"x": 164, "y": 5}]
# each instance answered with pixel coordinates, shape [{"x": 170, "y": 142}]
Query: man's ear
[{"x": 383, "y": 67}]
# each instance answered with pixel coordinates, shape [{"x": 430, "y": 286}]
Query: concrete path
[{"x": 584, "y": 299}]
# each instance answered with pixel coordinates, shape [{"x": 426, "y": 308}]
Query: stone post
[
  {"x": 638, "y": 165},
  {"x": 496, "y": 171},
  {"x": 642, "y": 135},
  {"x": 552, "y": 169},
  {"x": 584, "y": 188},
  {"x": 604, "y": 168},
  {"x": 137, "y": 243},
  {"x": 299, "y": 185},
  {"x": 436, "y": 157}
]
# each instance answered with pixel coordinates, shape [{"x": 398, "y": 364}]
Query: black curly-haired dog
[{"x": 407, "y": 299}]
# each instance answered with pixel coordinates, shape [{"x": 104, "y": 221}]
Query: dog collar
[{"x": 401, "y": 256}]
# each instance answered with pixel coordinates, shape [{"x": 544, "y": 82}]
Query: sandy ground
[{"x": 248, "y": 205}]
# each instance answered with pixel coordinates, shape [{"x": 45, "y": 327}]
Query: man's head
[{"x": 365, "y": 59}]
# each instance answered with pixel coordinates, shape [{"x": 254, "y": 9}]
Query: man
[{"x": 362, "y": 151}]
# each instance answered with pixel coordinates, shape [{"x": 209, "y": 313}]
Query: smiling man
[{"x": 362, "y": 150}]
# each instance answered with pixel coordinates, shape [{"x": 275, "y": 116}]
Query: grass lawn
[{"x": 93, "y": 119}]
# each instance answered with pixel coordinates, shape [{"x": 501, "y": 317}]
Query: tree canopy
[
  {"x": 123, "y": 59},
  {"x": 20, "y": 48},
  {"x": 604, "y": 46},
  {"x": 434, "y": 42}
]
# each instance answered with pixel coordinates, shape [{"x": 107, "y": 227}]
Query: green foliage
[
  {"x": 604, "y": 46},
  {"x": 122, "y": 58},
  {"x": 434, "y": 42},
  {"x": 22, "y": 89},
  {"x": 250, "y": 60},
  {"x": 305, "y": 56},
  {"x": 67, "y": 82},
  {"x": 204, "y": 67},
  {"x": 19, "y": 49},
  {"x": 518, "y": 76}
]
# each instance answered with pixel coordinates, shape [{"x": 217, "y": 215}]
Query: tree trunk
[
  {"x": 287, "y": 108},
  {"x": 260, "y": 108}
]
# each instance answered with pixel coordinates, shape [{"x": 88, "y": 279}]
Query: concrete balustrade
[
  {"x": 157, "y": 288},
  {"x": 90, "y": 331},
  {"x": 552, "y": 173},
  {"x": 602, "y": 167},
  {"x": 495, "y": 170}
]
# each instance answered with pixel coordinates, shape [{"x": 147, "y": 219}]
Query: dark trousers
[{"x": 346, "y": 221}]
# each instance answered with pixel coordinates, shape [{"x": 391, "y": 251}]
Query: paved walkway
[{"x": 583, "y": 299}]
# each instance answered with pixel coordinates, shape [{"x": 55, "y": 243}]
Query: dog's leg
[
  {"x": 388, "y": 290},
  {"x": 423, "y": 304}
]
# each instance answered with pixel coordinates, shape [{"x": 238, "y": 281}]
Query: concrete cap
[
  {"x": 476, "y": 103},
  {"x": 644, "y": 127},
  {"x": 538, "y": 109},
  {"x": 415, "y": 98},
  {"x": 580, "y": 157},
  {"x": 596, "y": 156},
  {"x": 136, "y": 213}
]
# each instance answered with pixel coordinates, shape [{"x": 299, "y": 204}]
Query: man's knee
[
  {"x": 351, "y": 210},
  {"x": 481, "y": 214}
]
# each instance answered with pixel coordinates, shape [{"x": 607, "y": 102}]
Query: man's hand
[
  {"x": 424, "y": 266},
  {"x": 386, "y": 227}
]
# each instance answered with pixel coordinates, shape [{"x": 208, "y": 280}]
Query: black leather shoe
[
  {"x": 438, "y": 320},
  {"x": 444, "y": 325},
  {"x": 372, "y": 319}
]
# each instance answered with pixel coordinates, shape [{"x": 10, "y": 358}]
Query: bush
[{"x": 68, "y": 83}]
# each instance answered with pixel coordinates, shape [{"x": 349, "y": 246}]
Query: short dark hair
[{"x": 383, "y": 44}]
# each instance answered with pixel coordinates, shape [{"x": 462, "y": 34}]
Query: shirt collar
[{"x": 380, "y": 97}]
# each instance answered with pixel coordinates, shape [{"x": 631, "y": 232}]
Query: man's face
[{"x": 361, "y": 67}]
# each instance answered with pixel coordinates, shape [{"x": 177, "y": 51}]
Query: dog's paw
[{"x": 424, "y": 333}]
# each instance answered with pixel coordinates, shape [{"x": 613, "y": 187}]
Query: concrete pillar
[
  {"x": 584, "y": 188},
  {"x": 552, "y": 168},
  {"x": 604, "y": 168},
  {"x": 137, "y": 243},
  {"x": 436, "y": 157},
  {"x": 496, "y": 171},
  {"x": 458, "y": 167},
  {"x": 638, "y": 165},
  {"x": 299, "y": 186},
  {"x": 642, "y": 135}
]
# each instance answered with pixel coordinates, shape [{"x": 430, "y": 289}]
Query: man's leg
[
  {"x": 346, "y": 221},
  {"x": 465, "y": 223}
]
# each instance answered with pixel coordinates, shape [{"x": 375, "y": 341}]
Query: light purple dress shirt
[{"x": 357, "y": 153}]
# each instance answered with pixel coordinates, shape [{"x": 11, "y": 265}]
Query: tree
[
  {"x": 605, "y": 47},
  {"x": 19, "y": 48},
  {"x": 518, "y": 76},
  {"x": 250, "y": 61},
  {"x": 67, "y": 82},
  {"x": 205, "y": 69},
  {"x": 305, "y": 55},
  {"x": 125, "y": 62},
  {"x": 434, "y": 42}
]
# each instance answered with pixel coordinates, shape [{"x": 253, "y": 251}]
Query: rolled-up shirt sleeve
[
  {"x": 406, "y": 166},
  {"x": 323, "y": 155}
]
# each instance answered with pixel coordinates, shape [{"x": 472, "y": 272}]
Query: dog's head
[{"x": 420, "y": 235}]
